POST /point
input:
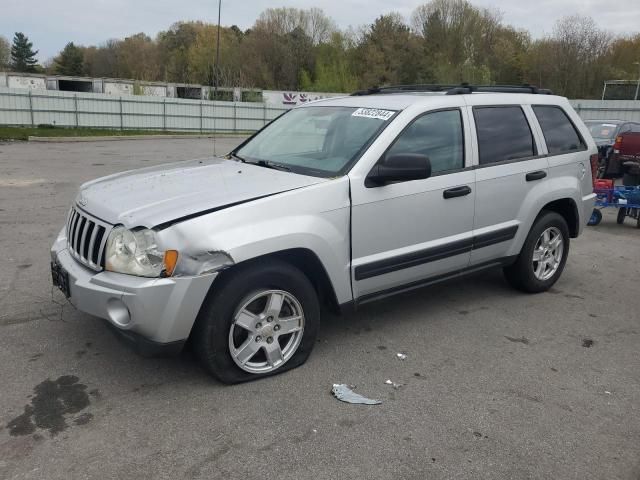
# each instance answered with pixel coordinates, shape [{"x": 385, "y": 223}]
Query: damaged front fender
[{"x": 191, "y": 264}]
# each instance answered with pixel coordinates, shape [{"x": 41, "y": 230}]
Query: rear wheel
[
  {"x": 543, "y": 256},
  {"x": 259, "y": 320},
  {"x": 622, "y": 212}
]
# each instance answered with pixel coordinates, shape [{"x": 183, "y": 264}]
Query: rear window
[
  {"x": 559, "y": 133},
  {"x": 503, "y": 134}
]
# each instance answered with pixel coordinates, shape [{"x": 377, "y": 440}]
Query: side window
[
  {"x": 559, "y": 133},
  {"x": 503, "y": 134},
  {"x": 636, "y": 128},
  {"x": 438, "y": 135}
]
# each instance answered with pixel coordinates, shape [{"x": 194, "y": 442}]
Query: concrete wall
[
  {"x": 154, "y": 90},
  {"x": 32, "y": 83},
  {"x": 117, "y": 88}
]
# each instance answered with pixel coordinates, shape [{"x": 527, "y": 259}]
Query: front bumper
[{"x": 154, "y": 314}]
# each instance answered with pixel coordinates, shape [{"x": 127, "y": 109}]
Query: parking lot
[{"x": 496, "y": 384}]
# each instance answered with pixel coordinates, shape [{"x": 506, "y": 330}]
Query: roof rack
[{"x": 461, "y": 89}]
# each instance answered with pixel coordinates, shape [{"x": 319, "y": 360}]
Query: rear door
[{"x": 510, "y": 163}]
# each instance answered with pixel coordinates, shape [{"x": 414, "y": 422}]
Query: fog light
[{"x": 118, "y": 312}]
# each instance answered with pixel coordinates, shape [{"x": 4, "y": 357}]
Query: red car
[
  {"x": 605, "y": 132},
  {"x": 626, "y": 157}
]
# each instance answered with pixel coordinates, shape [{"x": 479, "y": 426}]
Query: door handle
[
  {"x": 539, "y": 175},
  {"x": 456, "y": 192}
]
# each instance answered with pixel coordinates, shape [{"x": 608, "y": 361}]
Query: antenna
[{"x": 215, "y": 79}]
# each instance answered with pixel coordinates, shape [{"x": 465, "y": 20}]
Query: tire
[
  {"x": 622, "y": 212},
  {"x": 523, "y": 274},
  {"x": 219, "y": 341},
  {"x": 596, "y": 217}
]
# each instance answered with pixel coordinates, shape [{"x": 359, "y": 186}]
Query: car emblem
[{"x": 82, "y": 201}]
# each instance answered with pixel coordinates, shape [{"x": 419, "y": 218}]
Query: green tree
[
  {"x": 70, "y": 61},
  {"x": 386, "y": 53},
  {"x": 23, "y": 58},
  {"x": 5, "y": 52},
  {"x": 458, "y": 41},
  {"x": 332, "y": 70}
]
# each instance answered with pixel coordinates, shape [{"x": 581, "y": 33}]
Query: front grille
[{"x": 86, "y": 238}]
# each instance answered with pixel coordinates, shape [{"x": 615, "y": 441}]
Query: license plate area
[{"x": 60, "y": 279}]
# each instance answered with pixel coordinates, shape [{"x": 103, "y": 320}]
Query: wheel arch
[
  {"x": 306, "y": 261},
  {"x": 567, "y": 208}
]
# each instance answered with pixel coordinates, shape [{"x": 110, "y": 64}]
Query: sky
[{"x": 51, "y": 24}]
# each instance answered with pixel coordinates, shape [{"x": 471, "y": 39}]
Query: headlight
[{"x": 136, "y": 252}]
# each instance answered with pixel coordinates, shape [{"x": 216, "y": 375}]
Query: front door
[{"x": 406, "y": 232}]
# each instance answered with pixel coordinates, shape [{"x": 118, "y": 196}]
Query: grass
[{"x": 23, "y": 133}]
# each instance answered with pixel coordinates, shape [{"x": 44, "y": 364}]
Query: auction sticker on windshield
[{"x": 373, "y": 113}]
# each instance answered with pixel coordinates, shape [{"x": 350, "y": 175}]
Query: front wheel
[
  {"x": 543, "y": 256},
  {"x": 259, "y": 320}
]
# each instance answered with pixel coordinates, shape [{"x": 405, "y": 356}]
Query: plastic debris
[
  {"x": 343, "y": 393},
  {"x": 393, "y": 384},
  {"x": 607, "y": 392},
  {"x": 401, "y": 356}
]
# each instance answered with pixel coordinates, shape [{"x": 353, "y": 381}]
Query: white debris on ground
[
  {"x": 393, "y": 384},
  {"x": 343, "y": 393}
]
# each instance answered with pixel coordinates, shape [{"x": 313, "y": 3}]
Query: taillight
[
  {"x": 593, "y": 159},
  {"x": 618, "y": 143}
]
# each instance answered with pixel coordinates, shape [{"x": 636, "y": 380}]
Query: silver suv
[{"x": 335, "y": 203}]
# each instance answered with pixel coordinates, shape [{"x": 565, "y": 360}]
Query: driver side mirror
[{"x": 400, "y": 167}]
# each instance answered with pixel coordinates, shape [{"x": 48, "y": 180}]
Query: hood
[{"x": 152, "y": 196}]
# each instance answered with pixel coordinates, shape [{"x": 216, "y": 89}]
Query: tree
[
  {"x": 575, "y": 60},
  {"x": 332, "y": 70},
  {"x": 137, "y": 58},
  {"x": 447, "y": 41},
  {"x": 458, "y": 40},
  {"x": 386, "y": 53},
  {"x": 5, "y": 52},
  {"x": 23, "y": 58},
  {"x": 70, "y": 61},
  {"x": 102, "y": 61}
]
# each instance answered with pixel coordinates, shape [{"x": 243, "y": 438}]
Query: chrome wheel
[
  {"x": 547, "y": 254},
  {"x": 266, "y": 331}
]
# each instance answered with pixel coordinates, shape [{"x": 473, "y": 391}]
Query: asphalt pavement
[{"x": 496, "y": 384}]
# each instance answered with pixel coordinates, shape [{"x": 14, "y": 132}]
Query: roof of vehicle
[
  {"x": 400, "y": 101},
  {"x": 399, "y": 97}
]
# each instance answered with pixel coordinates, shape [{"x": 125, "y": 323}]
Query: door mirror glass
[{"x": 399, "y": 167}]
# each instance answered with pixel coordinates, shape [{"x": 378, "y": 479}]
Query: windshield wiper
[{"x": 269, "y": 164}]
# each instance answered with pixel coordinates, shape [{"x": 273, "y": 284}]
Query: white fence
[
  {"x": 90, "y": 110},
  {"x": 66, "y": 109}
]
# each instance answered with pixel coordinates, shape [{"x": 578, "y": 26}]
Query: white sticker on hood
[{"x": 373, "y": 113}]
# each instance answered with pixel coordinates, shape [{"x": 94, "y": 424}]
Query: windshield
[
  {"x": 602, "y": 131},
  {"x": 318, "y": 141}
]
